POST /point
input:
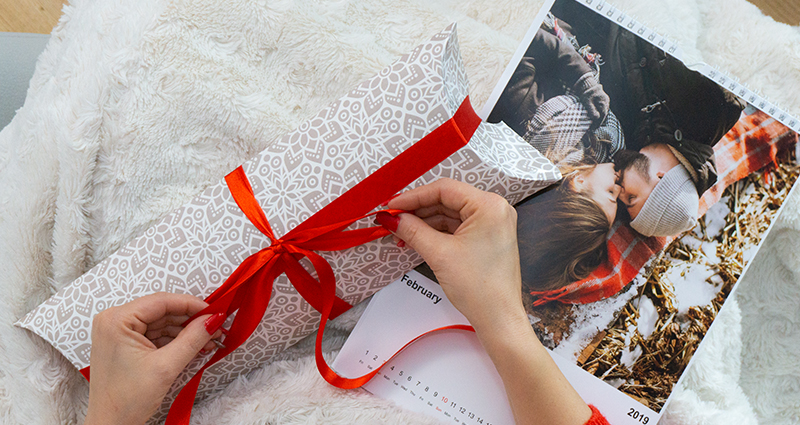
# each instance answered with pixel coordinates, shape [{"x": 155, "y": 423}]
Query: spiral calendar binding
[
  {"x": 752, "y": 97},
  {"x": 632, "y": 24}
]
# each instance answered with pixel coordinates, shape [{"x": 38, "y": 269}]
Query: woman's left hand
[{"x": 138, "y": 349}]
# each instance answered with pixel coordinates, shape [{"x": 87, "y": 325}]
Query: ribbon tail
[
  {"x": 246, "y": 320},
  {"x": 328, "y": 295},
  {"x": 338, "y": 381}
]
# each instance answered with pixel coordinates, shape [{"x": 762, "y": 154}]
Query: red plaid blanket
[{"x": 752, "y": 144}]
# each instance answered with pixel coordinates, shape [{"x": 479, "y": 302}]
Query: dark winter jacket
[
  {"x": 665, "y": 102},
  {"x": 548, "y": 67}
]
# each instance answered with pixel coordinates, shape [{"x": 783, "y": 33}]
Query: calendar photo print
[{"x": 672, "y": 177}]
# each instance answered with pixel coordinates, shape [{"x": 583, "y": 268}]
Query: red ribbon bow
[{"x": 247, "y": 291}]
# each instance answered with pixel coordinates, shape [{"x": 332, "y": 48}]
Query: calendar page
[{"x": 447, "y": 374}]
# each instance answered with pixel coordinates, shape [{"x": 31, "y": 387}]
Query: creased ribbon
[{"x": 247, "y": 291}]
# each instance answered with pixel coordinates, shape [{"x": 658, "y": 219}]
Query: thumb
[
  {"x": 421, "y": 237},
  {"x": 192, "y": 339}
]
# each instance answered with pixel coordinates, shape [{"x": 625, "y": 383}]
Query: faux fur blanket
[{"x": 137, "y": 106}]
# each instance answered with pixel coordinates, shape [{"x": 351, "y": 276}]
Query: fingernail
[
  {"x": 214, "y": 322},
  {"x": 387, "y": 220},
  {"x": 401, "y": 243},
  {"x": 203, "y": 352},
  {"x": 224, "y": 331}
]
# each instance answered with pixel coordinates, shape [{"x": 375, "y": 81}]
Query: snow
[
  {"x": 591, "y": 319},
  {"x": 689, "y": 285},
  {"x": 648, "y": 316},
  {"x": 628, "y": 357},
  {"x": 629, "y": 354},
  {"x": 797, "y": 151},
  {"x": 646, "y": 325},
  {"x": 750, "y": 189},
  {"x": 749, "y": 253},
  {"x": 715, "y": 217},
  {"x": 710, "y": 251},
  {"x": 616, "y": 382},
  {"x": 691, "y": 242}
]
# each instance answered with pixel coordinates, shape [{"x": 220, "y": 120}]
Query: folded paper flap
[
  {"x": 497, "y": 145},
  {"x": 453, "y": 71},
  {"x": 195, "y": 248}
]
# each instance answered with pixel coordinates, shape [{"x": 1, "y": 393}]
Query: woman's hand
[
  {"x": 138, "y": 349},
  {"x": 469, "y": 239}
]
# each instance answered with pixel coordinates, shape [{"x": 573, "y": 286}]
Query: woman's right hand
[{"x": 469, "y": 239}]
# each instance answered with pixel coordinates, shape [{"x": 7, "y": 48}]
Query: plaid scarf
[
  {"x": 752, "y": 144},
  {"x": 561, "y": 130}
]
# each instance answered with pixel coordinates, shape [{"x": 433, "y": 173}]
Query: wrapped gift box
[{"x": 194, "y": 249}]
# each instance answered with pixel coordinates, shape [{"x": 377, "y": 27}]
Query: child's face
[
  {"x": 637, "y": 185},
  {"x": 602, "y": 186}
]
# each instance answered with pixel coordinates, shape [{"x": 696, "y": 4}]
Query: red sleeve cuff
[{"x": 597, "y": 417}]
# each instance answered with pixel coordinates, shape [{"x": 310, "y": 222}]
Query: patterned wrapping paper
[{"x": 195, "y": 248}]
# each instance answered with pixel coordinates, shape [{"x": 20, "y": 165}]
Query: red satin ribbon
[
  {"x": 249, "y": 288},
  {"x": 349, "y": 383},
  {"x": 247, "y": 291}
]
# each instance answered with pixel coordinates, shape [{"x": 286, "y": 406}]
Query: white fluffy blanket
[{"x": 137, "y": 105}]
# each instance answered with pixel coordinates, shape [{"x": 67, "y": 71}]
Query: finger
[
  {"x": 438, "y": 209},
  {"x": 449, "y": 193},
  {"x": 397, "y": 241},
  {"x": 150, "y": 308},
  {"x": 162, "y": 341},
  {"x": 189, "y": 342},
  {"x": 169, "y": 320},
  {"x": 423, "y": 238},
  {"x": 210, "y": 346},
  {"x": 443, "y": 223},
  {"x": 169, "y": 331}
]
